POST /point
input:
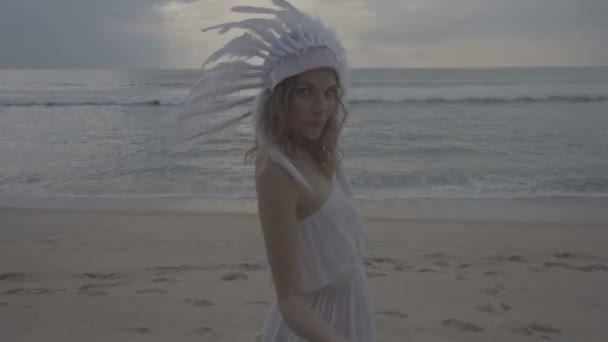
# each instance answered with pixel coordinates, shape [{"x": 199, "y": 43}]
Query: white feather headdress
[{"x": 234, "y": 88}]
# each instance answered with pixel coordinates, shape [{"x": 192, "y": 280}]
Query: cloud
[
  {"x": 491, "y": 32},
  {"x": 166, "y": 33},
  {"x": 81, "y": 33},
  {"x": 402, "y": 33}
]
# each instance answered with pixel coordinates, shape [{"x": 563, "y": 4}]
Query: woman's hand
[{"x": 338, "y": 338}]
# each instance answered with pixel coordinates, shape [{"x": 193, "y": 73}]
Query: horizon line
[{"x": 353, "y": 68}]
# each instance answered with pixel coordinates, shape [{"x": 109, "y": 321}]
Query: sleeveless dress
[{"x": 330, "y": 247}]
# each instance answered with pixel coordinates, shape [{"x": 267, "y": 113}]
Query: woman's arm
[{"x": 277, "y": 198}]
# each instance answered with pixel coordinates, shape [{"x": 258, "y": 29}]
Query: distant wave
[
  {"x": 88, "y": 102},
  {"x": 440, "y": 193},
  {"x": 483, "y": 94},
  {"x": 549, "y": 98},
  {"x": 185, "y": 85},
  {"x": 365, "y": 95}
]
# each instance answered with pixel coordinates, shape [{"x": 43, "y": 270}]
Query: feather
[
  {"x": 307, "y": 40},
  {"x": 288, "y": 17},
  {"x": 235, "y": 66},
  {"x": 283, "y": 44},
  {"x": 240, "y": 68},
  {"x": 223, "y": 90},
  {"x": 217, "y": 107},
  {"x": 286, "y": 5},
  {"x": 300, "y": 39},
  {"x": 247, "y": 24},
  {"x": 281, "y": 49},
  {"x": 254, "y": 73},
  {"x": 293, "y": 43},
  {"x": 265, "y": 35},
  {"x": 253, "y": 9},
  {"x": 217, "y": 127},
  {"x": 244, "y": 45},
  {"x": 256, "y": 42},
  {"x": 220, "y": 79}
]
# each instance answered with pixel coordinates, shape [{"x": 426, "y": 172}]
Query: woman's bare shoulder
[{"x": 271, "y": 177}]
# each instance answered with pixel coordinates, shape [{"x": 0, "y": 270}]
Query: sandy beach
[{"x": 109, "y": 275}]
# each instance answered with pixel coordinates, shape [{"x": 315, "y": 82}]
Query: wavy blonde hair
[{"x": 275, "y": 117}]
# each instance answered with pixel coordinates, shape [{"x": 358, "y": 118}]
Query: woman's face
[{"x": 313, "y": 100}]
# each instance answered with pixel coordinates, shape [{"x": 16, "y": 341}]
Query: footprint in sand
[
  {"x": 436, "y": 255},
  {"x": 173, "y": 269},
  {"x": 136, "y": 330},
  {"x": 99, "y": 285},
  {"x": 372, "y": 274},
  {"x": 235, "y": 275},
  {"x": 206, "y": 330},
  {"x": 93, "y": 286},
  {"x": 588, "y": 268},
  {"x": 427, "y": 270},
  {"x": 34, "y": 291},
  {"x": 392, "y": 314},
  {"x": 156, "y": 291},
  {"x": 489, "y": 308},
  {"x": 368, "y": 262},
  {"x": 95, "y": 289},
  {"x": 380, "y": 262},
  {"x": 493, "y": 273},
  {"x": 384, "y": 260},
  {"x": 517, "y": 258},
  {"x": 249, "y": 266},
  {"x": 495, "y": 290},
  {"x": 568, "y": 255},
  {"x": 213, "y": 267},
  {"x": 199, "y": 302},
  {"x": 165, "y": 280},
  {"x": 528, "y": 329},
  {"x": 461, "y": 277},
  {"x": 502, "y": 258},
  {"x": 257, "y": 303},
  {"x": 401, "y": 267},
  {"x": 91, "y": 275},
  {"x": 95, "y": 292},
  {"x": 3, "y": 304},
  {"x": 441, "y": 263},
  {"x": 13, "y": 276},
  {"x": 462, "y": 325}
]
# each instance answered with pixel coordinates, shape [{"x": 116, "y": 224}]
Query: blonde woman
[{"x": 314, "y": 238}]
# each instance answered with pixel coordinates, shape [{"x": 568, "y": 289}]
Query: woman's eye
[
  {"x": 332, "y": 92},
  {"x": 303, "y": 91}
]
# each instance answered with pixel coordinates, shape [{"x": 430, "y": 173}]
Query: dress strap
[
  {"x": 344, "y": 180},
  {"x": 277, "y": 157}
]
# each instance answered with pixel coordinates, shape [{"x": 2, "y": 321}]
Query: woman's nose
[{"x": 320, "y": 105}]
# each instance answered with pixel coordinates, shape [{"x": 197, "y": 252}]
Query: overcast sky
[{"x": 376, "y": 33}]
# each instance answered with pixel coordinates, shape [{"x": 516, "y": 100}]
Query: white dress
[{"x": 330, "y": 254}]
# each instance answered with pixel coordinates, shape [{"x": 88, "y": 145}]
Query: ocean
[{"x": 508, "y": 133}]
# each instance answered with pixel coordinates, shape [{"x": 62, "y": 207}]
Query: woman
[{"x": 313, "y": 236}]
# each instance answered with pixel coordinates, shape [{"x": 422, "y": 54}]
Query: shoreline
[{"x": 570, "y": 210}]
